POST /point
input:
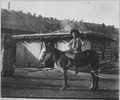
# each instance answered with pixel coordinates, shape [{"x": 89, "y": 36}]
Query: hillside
[
  {"x": 21, "y": 21},
  {"x": 27, "y": 22}
]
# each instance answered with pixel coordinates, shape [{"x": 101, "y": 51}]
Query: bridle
[
  {"x": 45, "y": 55},
  {"x": 42, "y": 61}
]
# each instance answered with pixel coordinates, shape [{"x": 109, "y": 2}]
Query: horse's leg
[
  {"x": 93, "y": 77},
  {"x": 65, "y": 79},
  {"x": 96, "y": 67},
  {"x": 96, "y": 80},
  {"x": 94, "y": 74},
  {"x": 93, "y": 81}
]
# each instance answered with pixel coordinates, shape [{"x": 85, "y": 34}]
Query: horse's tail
[
  {"x": 101, "y": 76},
  {"x": 96, "y": 73}
]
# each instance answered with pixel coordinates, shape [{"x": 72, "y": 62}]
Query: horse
[{"x": 87, "y": 58}]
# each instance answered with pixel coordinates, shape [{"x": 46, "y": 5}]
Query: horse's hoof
[
  {"x": 96, "y": 88},
  {"x": 91, "y": 88},
  {"x": 63, "y": 88}
]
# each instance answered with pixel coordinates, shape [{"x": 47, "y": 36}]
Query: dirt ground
[{"x": 43, "y": 83}]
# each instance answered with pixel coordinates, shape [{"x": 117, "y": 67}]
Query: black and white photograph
[{"x": 59, "y": 49}]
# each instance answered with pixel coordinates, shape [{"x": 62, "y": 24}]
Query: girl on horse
[{"x": 75, "y": 44}]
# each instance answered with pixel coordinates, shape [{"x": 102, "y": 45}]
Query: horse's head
[{"x": 45, "y": 54}]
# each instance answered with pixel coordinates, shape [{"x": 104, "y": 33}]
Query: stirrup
[{"x": 76, "y": 73}]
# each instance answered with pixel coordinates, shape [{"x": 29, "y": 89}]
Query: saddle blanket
[{"x": 70, "y": 55}]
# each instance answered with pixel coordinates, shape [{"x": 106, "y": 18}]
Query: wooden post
[{"x": 9, "y": 5}]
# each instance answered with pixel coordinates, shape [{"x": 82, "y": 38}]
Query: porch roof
[{"x": 59, "y": 34}]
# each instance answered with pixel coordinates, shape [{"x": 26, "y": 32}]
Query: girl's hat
[{"x": 75, "y": 31}]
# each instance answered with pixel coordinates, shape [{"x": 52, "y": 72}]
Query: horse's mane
[{"x": 55, "y": 50}]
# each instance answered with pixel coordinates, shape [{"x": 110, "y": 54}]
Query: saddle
[{"x": 72, "y": 55}]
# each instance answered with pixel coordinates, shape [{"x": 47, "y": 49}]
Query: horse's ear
[
  {"x": 48, "y": 44},
  {"x": 44, "y": 44}
]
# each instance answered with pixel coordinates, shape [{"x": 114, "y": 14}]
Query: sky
[{"x": 93, "y": 11}]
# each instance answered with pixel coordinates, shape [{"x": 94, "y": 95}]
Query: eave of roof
[{"x": 55, "y": 35}]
